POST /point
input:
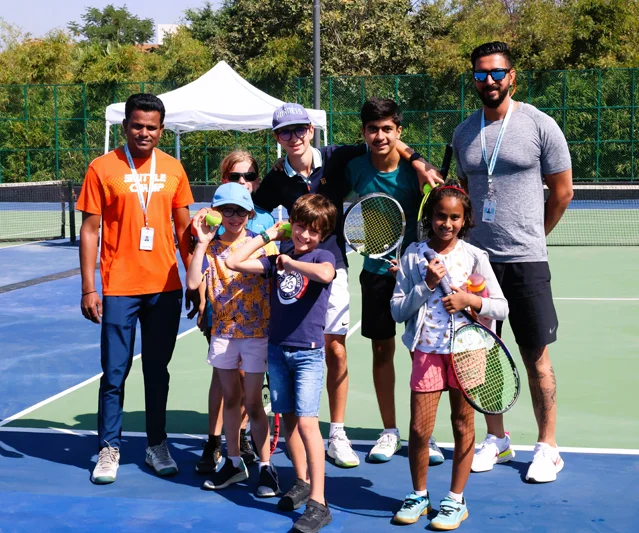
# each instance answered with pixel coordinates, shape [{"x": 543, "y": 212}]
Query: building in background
[{"x": 162, "y": 30}]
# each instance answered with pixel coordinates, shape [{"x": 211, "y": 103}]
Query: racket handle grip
[
  {"x": 448, "y": 157},
  {"x": 430, "y": 255}
]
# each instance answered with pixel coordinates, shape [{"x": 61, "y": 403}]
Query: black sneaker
[
  {"x": 296, "y": 496},
  {"x": 211, "y": 456},
  {"x": 268, "y": 485},
  {"x": 315, "y": 517},
  {"x": 226, "y": 475},
  {"x": 246, "y": 450}
]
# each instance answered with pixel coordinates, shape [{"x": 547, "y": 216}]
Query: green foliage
[
  {"x": 112, "y": 25},
  {"x": 52, "y": 131}
]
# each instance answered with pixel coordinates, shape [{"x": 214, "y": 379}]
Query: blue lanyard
[{"x": 493, "y": 158}]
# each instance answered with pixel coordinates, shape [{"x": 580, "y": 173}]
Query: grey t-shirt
[{"x": 533, "y": 145}]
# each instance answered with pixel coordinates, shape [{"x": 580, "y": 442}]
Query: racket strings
[
  {"x": 484, "y": 370},
  {"x": 374, "y": 225}
]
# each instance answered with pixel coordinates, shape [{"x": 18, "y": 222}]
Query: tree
[{"x": 112, "y": 25}]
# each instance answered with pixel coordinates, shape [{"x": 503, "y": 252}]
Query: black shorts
[
  {"x": 532, "y": 314},
  {"x": 377, "y": 291}
]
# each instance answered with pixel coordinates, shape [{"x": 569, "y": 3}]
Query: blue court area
[
  {"x": 49, "y": 357},
  {"x": 44, "y": 485}
]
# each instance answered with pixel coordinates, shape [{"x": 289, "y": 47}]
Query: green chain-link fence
[{"x": 52, "y": 132}]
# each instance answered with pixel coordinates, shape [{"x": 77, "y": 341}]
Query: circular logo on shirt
[{"x": 290, "y": 287}]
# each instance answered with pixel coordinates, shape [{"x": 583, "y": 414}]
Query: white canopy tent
[{"x": 219, "y": 100}]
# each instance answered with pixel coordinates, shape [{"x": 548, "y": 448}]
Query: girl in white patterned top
[{"x": 430, "y": 316}]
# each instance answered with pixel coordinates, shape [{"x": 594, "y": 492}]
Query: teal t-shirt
[{"x": 402, "y": 184}]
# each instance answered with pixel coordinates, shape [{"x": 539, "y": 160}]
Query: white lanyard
[
  {"x": 143, "y": 205},
  {"x": 493, "y": 158}
]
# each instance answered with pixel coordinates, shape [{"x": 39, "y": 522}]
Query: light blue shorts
[{"x": 296, "y": 377}]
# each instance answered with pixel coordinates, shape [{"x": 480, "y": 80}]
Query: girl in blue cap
[{"x": 239, "y": 335}]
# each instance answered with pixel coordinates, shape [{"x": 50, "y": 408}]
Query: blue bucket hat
[
  {"x": 232, "y": 193},
  {"x": 288, "y": 114}
]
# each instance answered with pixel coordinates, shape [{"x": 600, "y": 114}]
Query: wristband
[
  {"x": 414, "y": 156},
  {"x": 265, "y": 236},
  {"x": 90, "y": 292}
]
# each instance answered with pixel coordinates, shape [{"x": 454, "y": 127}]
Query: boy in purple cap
[{"x": 305, "y": 170}]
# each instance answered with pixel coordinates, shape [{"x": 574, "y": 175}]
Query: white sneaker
[
  {"x": 436, "y": 457},
  {"x": 492, "y": 451},
  {"x": 159, "y": 458},
  {"x": 107, "y": 466},
  {"x": 341, "y": 451},
  {"x": 387, "y": 445},
  {"x": 546, "y": 464}
]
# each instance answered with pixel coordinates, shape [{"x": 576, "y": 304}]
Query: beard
[{"x": 493, "y": 102}]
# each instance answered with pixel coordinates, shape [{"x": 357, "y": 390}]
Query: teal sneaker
[
  {"x": 413, "y": 507},
  {"x": 451, "y": 515}
]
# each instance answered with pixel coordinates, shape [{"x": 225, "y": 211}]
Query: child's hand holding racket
[
  {"x": 435, "y": 271},
  {"x": 459, "y": 300}
]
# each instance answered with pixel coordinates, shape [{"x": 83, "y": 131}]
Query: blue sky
[{"x": 39, "y": 16}]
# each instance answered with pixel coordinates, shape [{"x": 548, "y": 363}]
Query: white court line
[
  {"x": 70, "y": 390},
  {"x": 601, "y": 299},
  {"x": 19, "y": 244},
  {"x": 98, "y": 376},
  {"x": 354, "y": 329},
  {"x": 191, "y": 436}
]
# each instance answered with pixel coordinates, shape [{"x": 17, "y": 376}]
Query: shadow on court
[{"x": 44, "y": 485}]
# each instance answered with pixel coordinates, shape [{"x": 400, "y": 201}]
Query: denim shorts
[{"x": 296, "y": 377}]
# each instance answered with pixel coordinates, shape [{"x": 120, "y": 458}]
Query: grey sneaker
[
  {"x": 107, "y": 466},
  {"x": 159, "y": 458}
]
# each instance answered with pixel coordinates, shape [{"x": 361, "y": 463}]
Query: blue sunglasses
[{"x": 497, "y": 74}]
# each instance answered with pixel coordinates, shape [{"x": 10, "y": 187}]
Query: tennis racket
[
  {"x": 422, "y": 232},
  {"x": 374, "y": 227},
  {"x": 484, "y": 369},
  {"x": 273, "y": 418}
]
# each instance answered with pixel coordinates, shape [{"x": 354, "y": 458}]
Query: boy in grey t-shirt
[{"x": 503, "y": 151}]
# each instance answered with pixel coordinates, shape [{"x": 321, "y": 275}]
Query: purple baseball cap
[{"x": 288, "y": 114}]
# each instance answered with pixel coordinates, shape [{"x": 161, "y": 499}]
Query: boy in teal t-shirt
[{"x": 382, "y": 169}]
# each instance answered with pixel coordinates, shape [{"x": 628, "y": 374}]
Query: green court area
[
  {"x": 595, "y": 360},
  {"x": 18, "y": 225}
]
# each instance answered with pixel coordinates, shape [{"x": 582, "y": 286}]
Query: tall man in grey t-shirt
[{"x": 503, "y": 151}]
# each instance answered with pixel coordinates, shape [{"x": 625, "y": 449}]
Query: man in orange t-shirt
[{"x": 134, "y": 190}]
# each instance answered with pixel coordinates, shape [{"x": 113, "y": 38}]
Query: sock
[
  {"x": 335, "y": 427},
  {"x": 391, "y": 430},
  {"x": 421, "y": 493},
  {"x": 235, "y": 461},
  {"x": 459, "y": 498},
  {"x": 217, "y": 439},
  {"x": 266, "y": 463}
]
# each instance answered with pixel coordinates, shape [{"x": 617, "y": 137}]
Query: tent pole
[
  {"x": 107, "y": 133},
  {"x": 177, "y": 145},
  {"x": 325, "y": 137}
]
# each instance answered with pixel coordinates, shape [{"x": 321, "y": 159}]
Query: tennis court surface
[{"x": 49, "y": 357}]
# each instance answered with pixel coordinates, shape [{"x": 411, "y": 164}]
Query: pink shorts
[
  {"x": 432, "y": 372},
  {"x": 249, "y": 354}
]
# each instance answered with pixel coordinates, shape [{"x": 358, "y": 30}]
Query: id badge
[
  {"x": 146, "y": 239},
  {"x": 488, "y": 213}
]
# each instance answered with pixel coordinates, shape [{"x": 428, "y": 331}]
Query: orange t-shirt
[{"x": 109, "y": 190}]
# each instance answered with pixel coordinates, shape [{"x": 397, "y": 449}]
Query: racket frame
[
  {"x": 429, "y": 255},
  {"x": 448, "y": 157},
  {"x": 398, "y": 244},
  {"x": 274, "y": 419}
]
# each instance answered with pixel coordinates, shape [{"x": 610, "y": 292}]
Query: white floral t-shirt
[{"x": 436, "y": 331}]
